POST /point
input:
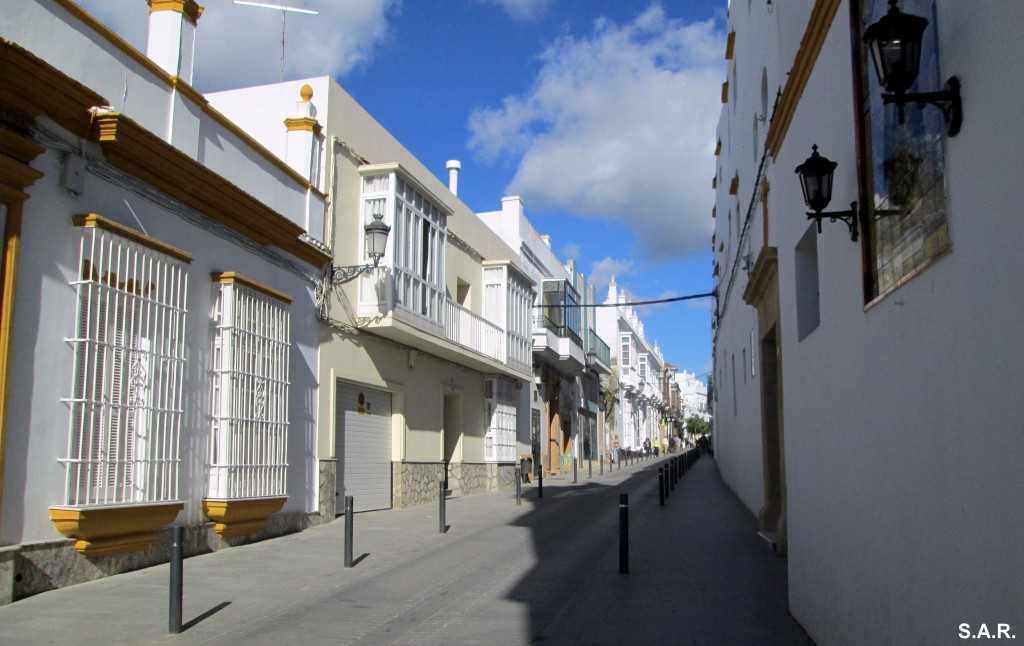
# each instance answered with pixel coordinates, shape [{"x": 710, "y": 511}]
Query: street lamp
[
  {"x": 895, "y": 45},
  {"x": 816, "y": 182},
  {"x": 374, "y": 242}
]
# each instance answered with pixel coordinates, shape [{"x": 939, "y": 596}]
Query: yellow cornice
[
  {"x": 100, "y": 222},
  {"x": 16, "y": 153},
  {"x": 818, "y": 26},
  {"x": 188, "y": 91},
  {"x": 730, "y": 45},
  {"x": 115, "y": 40},
  {"x": 33, "y": 87},
  {"x": 235, "y": 277},
  {"x": 189, "y": 8},
  {"x": 308, "y": 124},
  {"x": 141, "y": 153},
  {"x": 100, "y": 531}
]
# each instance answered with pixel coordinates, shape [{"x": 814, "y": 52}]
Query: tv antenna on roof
[{"x": 284, "y": 14}]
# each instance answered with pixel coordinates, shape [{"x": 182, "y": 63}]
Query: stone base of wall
[
  {"x": 415, "y": 483},
  {"x": 31, "y": 568},
  {"x": 329, "y": 502}
]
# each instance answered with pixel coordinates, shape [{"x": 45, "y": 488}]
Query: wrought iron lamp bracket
[
  {"x": 948, "y": 101},
  {"x": 341, "y": 275},
  {"x": 849, "y": 217}
]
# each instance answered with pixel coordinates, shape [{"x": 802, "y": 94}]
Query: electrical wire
[{"x": 634, "y": 303}]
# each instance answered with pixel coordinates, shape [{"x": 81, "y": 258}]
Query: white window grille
[
  {"x": 126, "y": 404},
  {"x": 500, "y": 439},
  {"x": 249, "y": 439}
]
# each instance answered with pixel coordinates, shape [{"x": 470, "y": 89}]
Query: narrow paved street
[{"x": 546, "y": 571}]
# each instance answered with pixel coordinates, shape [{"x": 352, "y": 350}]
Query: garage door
[{"x": 363, "y": 436}]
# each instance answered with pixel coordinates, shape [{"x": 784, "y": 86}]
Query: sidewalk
[{"x": 502, "y": 574}]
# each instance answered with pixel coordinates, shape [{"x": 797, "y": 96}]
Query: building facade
[
  {"x": 637, "y": 408},
  {"x": 160, "y": 268},
  {"x": 861, "y": 376}
]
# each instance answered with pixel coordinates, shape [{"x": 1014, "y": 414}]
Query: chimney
[
  {"x": 303, "y": 140},
  {"x": 172, "y": 35},
  {"x": 453, "y": 166}
]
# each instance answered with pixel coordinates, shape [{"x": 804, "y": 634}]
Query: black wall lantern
[
  {"x": 816, "y": 182},
  {"x": 895, "y": 45},
  {"x": 375, "y": 241}
]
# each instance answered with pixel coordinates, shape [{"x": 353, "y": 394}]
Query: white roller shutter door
[{"x": 363, "y": 445}]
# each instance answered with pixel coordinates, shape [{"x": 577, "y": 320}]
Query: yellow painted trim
[
  {"x": 100, "y": 222},
  {"x": 818, "y": 26},
  {"x": 734, "y": 185},
  {"x": 241, "y": 516},
  {"x": 730, "y": 45},
  {"x": 234, "y": 277},
  {"x": 100, "y": 531},
  {"x": 92, "y": 23},
  {"x": 259, "y": 149},
  {"x": 303, "y": 123},
  {"x": 189, "y": 92},
  {"x": 718, "y": 148},
  {"x": 189, "y": 8},
  {"x": 17, "y": 152},
  {"x": 714, "y": 212},
  {"x": 725, "y": 92},
  {"x": 762, "y": 276},
  {"x": 141, "y": 153},
  {"x": 32, "y": 87}
]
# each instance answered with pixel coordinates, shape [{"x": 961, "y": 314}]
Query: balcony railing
[
  {"x": 599, "y": 348},
  {"x": 472, "y": 331},
  {"x": 542, "y": 320}
]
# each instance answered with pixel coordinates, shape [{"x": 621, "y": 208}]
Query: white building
[
  {"x": 159, "y": 346},
  {"x": 427, "y": 354},
  {"x": 877, "y": 368},
  {"x": 568, "y": 355},
  {"x": 693, "y": 395},
  {"x": 635, "y": 383}
]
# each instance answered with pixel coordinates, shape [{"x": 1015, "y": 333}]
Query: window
[
  {"x": 417, "y": 250},
  {"x": 126, "y": 401},
  {"x": 643, "y": 367},
  {"x": 249, "y": 438},
  {"x": 500, "y": 438},
  {"x": 624, "y": 350},
  {"x": 903, "y": 166},
  {"x": 561, "y": 311}
]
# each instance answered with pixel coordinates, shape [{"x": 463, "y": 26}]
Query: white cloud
[
  {"x": 239, "y": 46},
  {"x": 522, "y": 9},
  {"x": 625, "y": 119},
  {"x": 571, "y": 251},
  {"x": 602, "y": 272}
]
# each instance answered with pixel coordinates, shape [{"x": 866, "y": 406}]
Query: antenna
[{"x": 284, "y": 14}]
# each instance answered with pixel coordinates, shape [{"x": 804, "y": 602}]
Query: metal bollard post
[
  {"x": 349, "y": 532},
  {"x": 174, "y": 617},
  {"x": 674, "y": 472},
  {"x": 519, "y": 487},
  {"x": 661, "y": 486},
  {"x": 574, "y": 481},
  {"x": 442, "y": 525},
  {"x": 623, "y": 533},
  {"x": 590, "y": 467},
  {"x": 540, "y": 482},
  {"x": 600, "y": 465},
  {"x": 668, "y": 482}
]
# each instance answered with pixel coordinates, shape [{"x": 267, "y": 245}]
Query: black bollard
[
  {"x": 349, "y": 504},
  {"x": 623, "y": 533},
  {"x": 540, "y": 482},
  {"x": 590, "y": 467},
  {"x": 519, "y": 488},
  {"x": 668, "y": 482},
  {"x": 661, "y": 486},
  {"x": 600, "y": 465},
  {"x": 174, "y": 617},
  {"x": 442, "y": 525}
]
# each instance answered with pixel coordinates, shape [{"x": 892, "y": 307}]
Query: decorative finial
[{"x": 306, "y": 93}]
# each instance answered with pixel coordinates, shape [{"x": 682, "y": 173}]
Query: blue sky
[{"x": 600, "y": 114}]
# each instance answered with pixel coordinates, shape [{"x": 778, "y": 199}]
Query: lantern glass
[
  {"x": 895, "y": 44},
  {"x": 376, "y": 238},
  {"x": 816, "y": 180}
]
